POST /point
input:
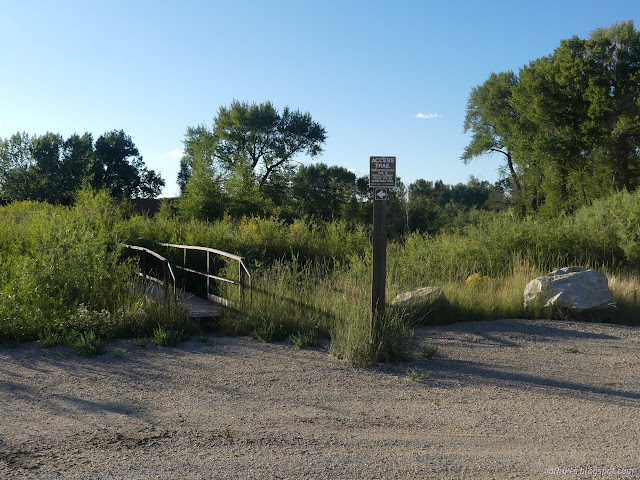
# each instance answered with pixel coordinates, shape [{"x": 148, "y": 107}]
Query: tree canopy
[
  {"x": 568, "y": 124},
  {"x": 247, "y": 156},
  {"x": 50, "y": 168},
  {"x": 252, "y": 138}
]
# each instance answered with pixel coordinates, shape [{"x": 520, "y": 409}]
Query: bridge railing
[
  {"x": 244, "y": 275},
  {"x": 168, "y": 279}
]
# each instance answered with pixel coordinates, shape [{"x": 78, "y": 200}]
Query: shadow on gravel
[
  {"x": 524, "y": 328},
  {"x": 444, "y": 370},
  {"x": 65, "y": 405}
]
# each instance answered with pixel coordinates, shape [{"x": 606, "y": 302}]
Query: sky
[{"x": 385, "y": 78}]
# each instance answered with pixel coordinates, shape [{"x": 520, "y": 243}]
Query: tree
[
  {"x": 49, "y": 168},
  {"x": 250, "y": 152},
  {"x": 199, "y": 146},
  {"x": 491, "y": 120},
  {"x": 202, "y": 197},
  {"x": 256, "y": 136},
  {"x": 118, "y": 166},
  {"x": 17, "y": 175},
  {"x": 77, "y": 152},
  {"x": 322, "y": 191},
  {"x": 569, "y": 123},
  {"x": 264, "y": 139}
]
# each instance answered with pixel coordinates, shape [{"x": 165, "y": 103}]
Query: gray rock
[
  {"x": 422, "y": 297},
  {"x": 577, "y": 288}
]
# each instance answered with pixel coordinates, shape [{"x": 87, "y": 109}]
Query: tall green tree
[
  {"x": 119, "y": 167},
  {"x": 202, "y": 196},
  {"x": 49, "y": 168},
  {"x": 264, "y": 139},
  {"x": 322, "y": 191},
  {"x": 251, "y": 150},
  {"x": 491, "y": 120},
  {"x": 570, "y": 121},
  {"x": 17, "y": 168}
]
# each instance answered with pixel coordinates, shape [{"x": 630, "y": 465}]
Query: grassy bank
[{"x": 63, "y": 278}]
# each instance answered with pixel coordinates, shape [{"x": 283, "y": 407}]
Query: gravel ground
[{"x": 500, "y": 399}]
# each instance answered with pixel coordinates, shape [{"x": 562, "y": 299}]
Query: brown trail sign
[{"x": 382, "y": 175}]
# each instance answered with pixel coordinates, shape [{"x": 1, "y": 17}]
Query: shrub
[
  {"x": 85, "y": 344},
  {"x": 167, "y": 337}
]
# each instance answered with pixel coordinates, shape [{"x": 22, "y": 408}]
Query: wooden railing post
[
  {"x": 184, "y": 273},
  {"x": 165, "y": 277},
  {"x": 143, "y": 265},
  {"x": 208, "y": 272},
  {"x": 241, "y": 280}
]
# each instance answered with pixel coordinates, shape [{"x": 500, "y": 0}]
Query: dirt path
[{"x": 503, "y": 399}]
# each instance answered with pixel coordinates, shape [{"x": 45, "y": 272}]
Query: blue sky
[{"x": 383, "y": 78}]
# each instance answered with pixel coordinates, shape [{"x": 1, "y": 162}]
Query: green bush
[
  {"x": 85, "y": 344},
  {"x": 167, "y": 337}
]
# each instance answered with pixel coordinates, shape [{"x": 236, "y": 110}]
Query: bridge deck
[{"x": 198, "y": 307}]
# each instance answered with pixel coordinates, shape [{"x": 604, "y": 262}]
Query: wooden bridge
[{"x": 163, "y": 278}]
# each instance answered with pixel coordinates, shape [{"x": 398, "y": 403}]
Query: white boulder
[
  {"x": 577, "y": 288},
  {"x": 422, "y": 297}
]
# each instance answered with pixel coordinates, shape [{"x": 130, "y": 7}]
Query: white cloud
[
  {"x": 428, "y": 115},
  {"x": 176, "y": 153}
]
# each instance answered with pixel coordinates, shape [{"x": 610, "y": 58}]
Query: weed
[
  {"x": 167, "y": 337},
  {"x": 416, "y": 376},
  {"x": 118, "y": 352},
  {"x": 142, "y": 342},
  {"x": 51, "y": 338},
  {"x": 305, "y": 339},
  {"x": 428, "y": 351},
  {"x": 570, "y": 349},
  {"x": 269, "y": 331},
  {"x": 85, "y": 344}
]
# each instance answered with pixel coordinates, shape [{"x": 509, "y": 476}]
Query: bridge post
[
  {"x": 143, "y": 266},
  {"x": 241, "y": 280},
  {"x": 165, "y": 277},
  {"x": 208, "y": 273},
  {"x": 184, "y": 273}
]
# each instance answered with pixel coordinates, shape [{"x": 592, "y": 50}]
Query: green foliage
[
  {"x": 49, "y": 168},
  {"x": 168, "y": 337},
  {"x": 262, "y": 138},
  {"x": 63, "y": 275},
  {"x": 61, "y": 271},
  {"x": 322, "y": 192},
  {"x": 416, "y": 376},
  {"x": 247, "y": 156},
  {"x": 428, "y": 351},
  {"x": 142, "y": 342},
  {"x": 202, "y": 197},
  {"x": 85, "y": 344},
  {"x": 118, "y": 166},
  {"x": 51, "y": 338},
  {"x": 305, "y": 339},
  {"x": 567, "y": 124}
]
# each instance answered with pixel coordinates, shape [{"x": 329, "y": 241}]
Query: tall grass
[
  {"x": 62, "y": 272},
  {"x": 321, "y": 300}
]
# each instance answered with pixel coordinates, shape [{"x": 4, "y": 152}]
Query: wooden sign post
[{"x": 382, "y": 175}]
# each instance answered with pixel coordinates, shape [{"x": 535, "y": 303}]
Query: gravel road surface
[{"x": 500, "y": 399}]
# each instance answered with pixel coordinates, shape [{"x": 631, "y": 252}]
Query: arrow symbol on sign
[{"x": 381, "y": 194}]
